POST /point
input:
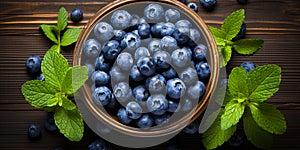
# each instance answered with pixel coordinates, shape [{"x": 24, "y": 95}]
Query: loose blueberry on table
[
  {"x": 34, "y": 132},
  {"x": 33, "y": 64},
  {"x": 208, "y": 5},
  {"x": 76, "y": 15},
  {"x": 152, "y": 62}
]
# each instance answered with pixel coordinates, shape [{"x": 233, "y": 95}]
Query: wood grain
[{"x": 277, "y": 22}]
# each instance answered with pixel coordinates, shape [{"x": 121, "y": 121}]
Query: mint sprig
[
  {"x": 55, "y": 91},
  {"x": 229, "y": 29},
  {"x": 59, "y": 34},
  {"x": 245, "y": 98}
]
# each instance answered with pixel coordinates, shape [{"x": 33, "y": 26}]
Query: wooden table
[{"x": 277, "y": 22}]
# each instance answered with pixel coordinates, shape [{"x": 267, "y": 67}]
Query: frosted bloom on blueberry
[
  {"x": 121, "y": 19},
  {"x": 154, "y": 12},
  {"x": 103, "y": 31},
  {"x": 172, "y": 15}
]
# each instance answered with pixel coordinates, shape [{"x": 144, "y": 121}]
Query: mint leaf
[
  {"x": 37, "y": 93},
  {"x": 263, "y": 82},
  {"x": 70, "y": 36},
  {"x": 237, "y": 84},
  {"x": 52, "y": 102},
  {"x": 215, "y": 136},
  {"x": 247, "y": 46},
  {"x": 228, "y": 97},
  {"x": 50, "y": 32},
  {"x": 69, "y": 123},
  {"x": 62, "y": 19},
  {"x": 217, "y": 32},
  {"x": 234, "y": 111},
  {"x": 226, "y": 53},
  {"x": 268, "y": 118},
  {"x": 256, "y": 135},
  {"x": 55, "y": 48},
  {"x": 54, "y": 68},
  {"x": 67, "y": 104},
  {"x": 75, "y": 78},
  {"x": 232, "y": 24}
]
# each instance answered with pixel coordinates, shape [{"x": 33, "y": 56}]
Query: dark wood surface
[{"x": 277, "y": 22}]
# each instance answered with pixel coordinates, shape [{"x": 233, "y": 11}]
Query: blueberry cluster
[{"x": 147, "y": 68}]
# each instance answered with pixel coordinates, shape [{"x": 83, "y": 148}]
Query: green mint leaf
[
  {"x": 215, "y": 136},
  {"x": 226, "y": 55},
  {"x": 67, "y": 104},
  {"x": 228, "y": 97},
  {"x": 50, "y": 31},
  {"x": 247, "y": 46},
  {"x": 54, "y": 68},
  {"x": 256, "y": 135},
  {"x": 75, "y": 78},
  {"x": 232, "y": 24},
  {"x": 70, "y": 36},
  {"x": 217, "y": 32},
  {"x": 62, "y": 19},
  {"x": 268, "y": 118},
  {"x": 52, "y": 102},
  {"x": 69, "y": 123},
  {"x": 37, "y": 93},
  {"x": 234, "y": 111},
  {"x": 263, "y": 82},
  {"x": 55, "y": 48},
  {"x": 237, "y": 83}
]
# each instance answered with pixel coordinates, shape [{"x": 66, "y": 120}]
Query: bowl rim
[{"x": 179, "y": 124}]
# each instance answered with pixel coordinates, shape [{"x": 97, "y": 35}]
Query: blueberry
[
  {"x": 144, "y": 30},
  {"x": 49, "y": 122},
  {"x": 98, "y": 145},
  {"x": 199, "y": 52},
  {"x": 122, "y": 116},
  {"x": 117, "y": 75},
  {"x": 154, "y": 12},
  {"x": 193, "y": 6},
  {"x": 167, "y": 29},
  {"x": 100, "y": 64},
  {"x": 180, "y": 58},
  {"x": 181, "y": 37},
  {"x": 235, "y": 141},
  {"x": 102, "y": 96},
  {"x": 34, "y": 132},
  {"x": 133, "y": 110},
  {"x": 134, "y": 20},
  {"x": 135, "y": 74},
  {"x": 120, "y": 19},
  {"x": 33, "y": 64},
  {"x": 40, "y": 77},
  {"x": 183, "y": 24},
  {"x": 146, "y": 66},
  {"x": 173, "y": 106},
  {"x": 154, "y": 45},
  {"x": 92, "y": 48},
  {"x": 142, "y": 20},
  {"x": 136, "y": 32},
  {"x": 191, "y": 128},
  {"x": 103, "y": 31},
  {"x": 162, "y": 59},
  {"x": 156, "y": 84},
  {"x": 203, "y": 70},
  {"x": 168, "y": 43},
  {"x": 113, "y": 103},
  {"x": 248, "y": 66},
  {"x": 141, "y": 52},
  {"x": 119, "y": 35},
  {"x": 157, "y": 104},
  {"x": 111, "y": 49},
  {"x": 101, "y": 78},
  {"x": 188, "y": 51},
  {"x": 131, "y": 41},
  {"x": 140, "y": 93},
  {"x": 196, "y": 90},
  {"x": 187, "y": 105},
  {"x": 208, "y": 5},
  {"x": 241, "y": 33},
  {"x": 169, "y": 74},
  {"x": 156, "y": 30},
  {"x": 122, "y": 92},
  {"x": 76, "y": 15},
  {"x": 162, "y": 119},
  {"x": 175, "y": 88},
  {"x": 145, "y": 121},
  {"x": 242, "y": 2},
  {"x": 172, "y": 15},
  {"x": 125, "y": 61},
  {"x": 188, "y": 76},
  {"x": 195, "y": 35}
]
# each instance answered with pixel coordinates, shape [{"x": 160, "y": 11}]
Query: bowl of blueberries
[{"x": 152, "y": 68}]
